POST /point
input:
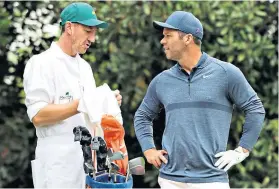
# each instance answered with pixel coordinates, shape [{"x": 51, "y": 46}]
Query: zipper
[
  {"x": 189, "y": 79},
  {"x": 189, "y": 85},
  {"x": 191, "y": 75}
]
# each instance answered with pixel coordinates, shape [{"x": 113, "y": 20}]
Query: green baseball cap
[{"x": 81, "y": 13}]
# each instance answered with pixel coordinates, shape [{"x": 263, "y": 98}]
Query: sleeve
[
  {"x": 147, "y": 111},
  {"x": 38, "y": 87},
  {"x": 246, "y": 99}
]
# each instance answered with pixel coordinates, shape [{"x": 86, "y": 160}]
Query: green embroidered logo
[{"x": 66, "y": 98}]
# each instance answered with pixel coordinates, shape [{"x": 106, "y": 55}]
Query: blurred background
[{"x": 127, "y": 56}]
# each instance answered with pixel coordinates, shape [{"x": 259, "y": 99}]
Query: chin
[
  {"x": 168, "y": 57},
  {"x": 82, "y": 52}
]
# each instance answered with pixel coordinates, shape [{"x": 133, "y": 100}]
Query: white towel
[{"x": 97, "y": 102}]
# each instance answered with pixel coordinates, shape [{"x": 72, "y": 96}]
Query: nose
[
  {"x": 92, "y": 37},
  {"x": 163, "y": 41}
]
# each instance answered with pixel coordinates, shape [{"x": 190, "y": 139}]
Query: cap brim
[
  {"x": 94, "y": 22},
  {"x": 161, "y": 25}
]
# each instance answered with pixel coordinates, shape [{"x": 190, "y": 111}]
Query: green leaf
[
  {"x": 224, "y": 31},
  {"x": 260, "y": 13},
  {"x": 221, "y": 41},
  {"x": 240, "y": 57},
  {"x": 146, "y": 8}
]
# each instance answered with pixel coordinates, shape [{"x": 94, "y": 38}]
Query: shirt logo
[
  {"x": 206, "y": 76},
  {"x": 65, "y": 98}
]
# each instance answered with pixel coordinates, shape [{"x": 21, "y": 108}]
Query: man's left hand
[
  {"x": 230, "y": 158},
  {"x": 118, "y": 97}
]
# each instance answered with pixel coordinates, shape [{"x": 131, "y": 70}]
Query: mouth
[
  {"x": 87, "y": 44},
  {"x": 166, "y": 49}
]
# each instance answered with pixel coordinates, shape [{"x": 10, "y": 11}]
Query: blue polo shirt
[{"x": 198, "y": 110}]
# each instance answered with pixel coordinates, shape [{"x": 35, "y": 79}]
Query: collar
[
  {"x": 60, "y": 53},
  {"x": 203, "y": 61}
]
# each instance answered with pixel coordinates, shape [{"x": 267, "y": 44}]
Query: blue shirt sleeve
[
  {"x": 246, "y": 99},
  {"x": 147, "y": 111}
]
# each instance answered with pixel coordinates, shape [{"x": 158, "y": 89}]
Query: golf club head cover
[
  {"x": 77, "y": 133},
  {"x": 114, "y": 136},
  {"x": 87, "y": 155},
  {"x": 101, "y": 154},
  {"x": 83, "y": 135}
]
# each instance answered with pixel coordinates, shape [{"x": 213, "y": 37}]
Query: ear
[
  {"x": 68, "y": 28},
  {"x": 187, "y": 39}
]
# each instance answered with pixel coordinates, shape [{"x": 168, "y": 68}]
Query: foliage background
[{"x": 127, "y": 56}]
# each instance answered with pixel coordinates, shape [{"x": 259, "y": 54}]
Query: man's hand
[
  {"x": 155, "y": 157},
  {"x": 118, "y": 97},
  {"x": 231, "y": 158}
]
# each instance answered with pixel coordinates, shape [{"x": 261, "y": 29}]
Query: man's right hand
[{"x": 155, "y": 157}]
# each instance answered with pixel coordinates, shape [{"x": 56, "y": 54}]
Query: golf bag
[{"x": 111, "y": 167}]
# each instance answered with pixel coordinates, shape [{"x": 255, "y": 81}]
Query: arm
[
  {"x": 143, "y": 119},
  {"x": 246, "y": 99},
  {"x": 53, "y": 113},
  {"x": 144, "y": 116},
  {"x": 40, "y": 93}
]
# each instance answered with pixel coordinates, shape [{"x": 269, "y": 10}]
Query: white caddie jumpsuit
[{"x": 54, "y": 77}]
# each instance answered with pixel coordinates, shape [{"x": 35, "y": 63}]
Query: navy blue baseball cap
[{"x": 182, "y": 21}]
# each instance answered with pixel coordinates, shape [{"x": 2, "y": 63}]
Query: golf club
[
  {"x": 116, "y": 156},
  {"x": 110, "y": 153},
  {"x": 115, "y": 168},
  {"x": 111, "y": 157},
  {"x": 128, "y": 173},
  {"x": 136, "y": 166}
]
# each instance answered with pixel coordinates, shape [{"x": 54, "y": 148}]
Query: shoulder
[
  {"x": 171, "y": 71},
  {"x": 39, "y": 63},
  {"x": 233, "y": 73},
  {"x": 84, "y": 63},
  {"x": 164, "y": 75},
  {"x": 225, "y": 66},
  {"x": 40, "y": 59},
  {"x": 160, "y": 76}
]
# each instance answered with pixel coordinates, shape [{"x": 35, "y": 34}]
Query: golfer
[{"x": 198, "y": 94}]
